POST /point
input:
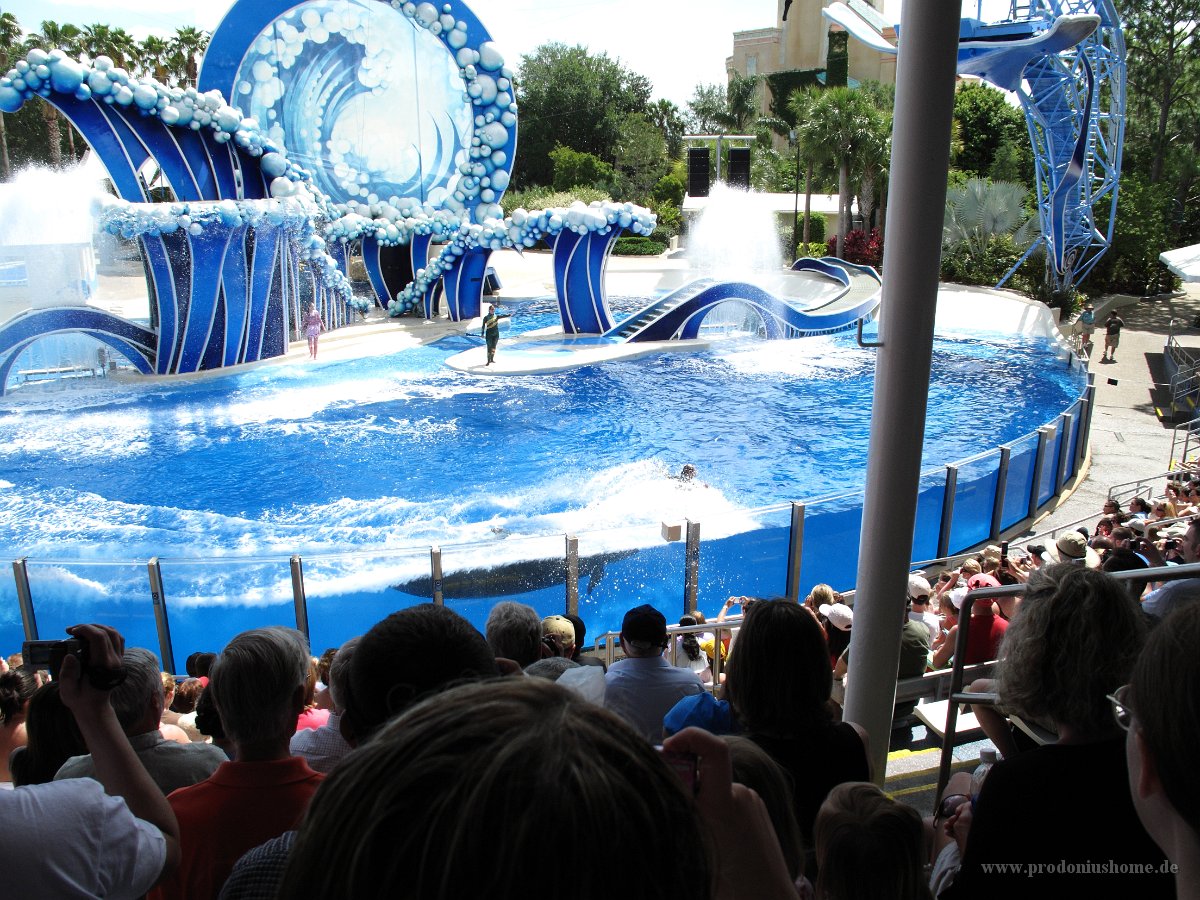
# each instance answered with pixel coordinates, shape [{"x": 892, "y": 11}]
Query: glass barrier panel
[
  {"x": 209, "y": 601},
  {"x": 1017, "y": 491},
  {"x": 930, "y": 499},
  {"x": 623, "y": 568},
  {"x": 832, "y": 532},
  {"x": 12, "y": 631},
  {"x": 68, "y": 592},
  {"x": 529, "y": 570},
  {"x": 1072, "y": 445},
  {"x": 1049, "y": 477},
  {"x": 974, "y": 500},
  {"x": 348, "y": 593},
  {"x": 749, "y": 558}
]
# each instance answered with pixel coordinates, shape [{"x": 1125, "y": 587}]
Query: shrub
[
  {"x": 859, "y": 247},
  {"x": 544, "y": 198},
  {"x": 637, "y": 245},
  {"x": 960, "y": 266},
  {"x": 670, "y": 189}
]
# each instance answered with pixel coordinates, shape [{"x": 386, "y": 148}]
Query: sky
[{"x": 677, "y": 44}]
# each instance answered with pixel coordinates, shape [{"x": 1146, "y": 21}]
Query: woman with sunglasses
[
  {"x": 1159, "y": 710},
  {"x": 1062, "y": 812}
]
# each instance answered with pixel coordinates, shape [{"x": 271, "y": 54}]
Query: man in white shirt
[
  {"x": 69, "y": 839},
  {"x": 919, "y": 592},
  {"x": 643, "y": 687},
  {"x": 324, "y": 747}
]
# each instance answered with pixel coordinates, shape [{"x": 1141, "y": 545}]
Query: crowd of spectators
[{"x": 426, "y": 759}]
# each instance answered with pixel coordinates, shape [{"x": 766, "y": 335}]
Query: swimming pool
[{"x": 359, "y": 466}]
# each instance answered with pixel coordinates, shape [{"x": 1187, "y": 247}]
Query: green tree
[
  {"x": 575, "y": 169},
  {"x": 187, "y": 46},
  {"x": 844, "y": 121},
  {"x": 986, "y": 121},
  {"x": 669, "y": 120},
  {"x": 154, "y": 58},
  {"x": 10, "y": 42},
  {"x": 1163, "y": 72},
  {"x": 575, "y": 98},
  {"x": 707, "y": 109},
  {"x": 54, "y": 36},
  {"x": 641, "y": 157},
  {"x": 104, "y": 40}
]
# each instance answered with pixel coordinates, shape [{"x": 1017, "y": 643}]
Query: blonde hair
[{"x": 822, "y": 593}]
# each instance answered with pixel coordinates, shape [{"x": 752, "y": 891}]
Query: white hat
[
  {"x": 957, "y": 596},
  {"x": 918, "y": 587},
  {"x": 839, "y": 615}
]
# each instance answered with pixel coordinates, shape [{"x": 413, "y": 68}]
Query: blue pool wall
[{"x": 259, "y": 591}]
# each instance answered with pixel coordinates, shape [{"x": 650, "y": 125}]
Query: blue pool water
[{"x": 353, "y": 464}]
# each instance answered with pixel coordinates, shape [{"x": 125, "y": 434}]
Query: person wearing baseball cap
[
  {"x": 919, "y": 592},
  {"x": 984, "y": 631},
  {"x": 642, "y": 687}
]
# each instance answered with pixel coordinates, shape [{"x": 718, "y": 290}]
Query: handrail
[{"x": 1159, "y": 573}]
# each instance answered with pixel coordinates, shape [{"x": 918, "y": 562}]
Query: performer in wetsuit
[{"x": 491, "y": 331}]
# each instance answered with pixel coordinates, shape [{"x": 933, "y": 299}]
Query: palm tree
[
  {"x": 981, "y": 210},
  {"x": 54, "y": 36},
  {"x": 843, "y": 122},
  {"x": 188, "y": 44},
  {"x": 801, "y": 104},
  {"x": 154, "y": 54},
  {"x": 103, "y": 40},
  {"x": 742, "y": 109},
  {"x": 10, "y": 40}
]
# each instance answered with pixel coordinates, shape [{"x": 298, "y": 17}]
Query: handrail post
[
  {"x": 948, "y": 498},
  {"x": 435, "y": 573},
  {"x": 1001, "y": 490},
  {"x": 572, "y": 575},
  {"x": 158, "y": 598},
  {"x": 25, "y": 599},
  {"x": 1039, "y": 464},
  {"x": 1085, "y": 415},
  {"x": 1090, "y": 398},
  {"x": 795, "y": 552},
  {"x": 1064, "y": 453},
  {"x": 299, "y": 600},
  {"x": 716, "y": 660},
  {"x": 691, "y": 567}
]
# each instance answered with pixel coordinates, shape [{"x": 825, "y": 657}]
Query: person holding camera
[{"x": 112, "y": 836}]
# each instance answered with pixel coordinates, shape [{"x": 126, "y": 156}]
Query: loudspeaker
[
  {"x": 698, "y": 171},
  {"x": 739, "y": 168}
]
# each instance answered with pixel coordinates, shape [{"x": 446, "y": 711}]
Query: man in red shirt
[{"x": 258, "y": 685}]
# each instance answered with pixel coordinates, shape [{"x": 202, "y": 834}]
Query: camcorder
[{"x": 49, "y": 655}]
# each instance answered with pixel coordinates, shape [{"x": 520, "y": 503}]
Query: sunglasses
[{"x": 1122, "y": 711}]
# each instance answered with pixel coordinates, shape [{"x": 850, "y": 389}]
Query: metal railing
[{"x": 959, "y": 696}]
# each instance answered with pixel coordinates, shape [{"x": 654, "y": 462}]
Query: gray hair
[
  {"x": 254, "y": 680},
  {"x": 514, "y": 631},
  {"x": 550, "y": 668},
  {"x": 141, "y": 687},
  {"x": 339, "y": 672},
  {"x": 1073, "y": 641}
]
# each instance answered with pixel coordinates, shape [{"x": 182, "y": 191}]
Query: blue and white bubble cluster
[
  {"x": 136, "y": 220},
  {"x": 387, "y": 115},
  {"x": 523, "y": 229},
  {"x": 43, "y": 72}
]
